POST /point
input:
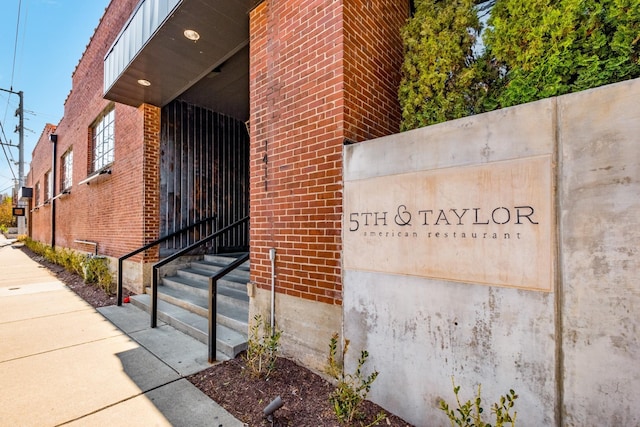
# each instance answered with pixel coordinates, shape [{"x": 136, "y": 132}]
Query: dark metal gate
[{"x": 204, "y": 172}]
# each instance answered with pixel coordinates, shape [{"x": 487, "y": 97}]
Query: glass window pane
[{"x": 104, "y": 140}]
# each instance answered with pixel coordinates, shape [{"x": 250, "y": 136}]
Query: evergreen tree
[
  {"x": 442, "y": 78},
  {"x": 609, "y": 41},
  {"x": 553, "y": 47},
  {"x": 534, "y": 49}
]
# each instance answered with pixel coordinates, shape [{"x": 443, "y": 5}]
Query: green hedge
[
  {"x": 440, "y": 78},
  {"x": 94, "y": 270},
  {"x": 533, "y": 49}
]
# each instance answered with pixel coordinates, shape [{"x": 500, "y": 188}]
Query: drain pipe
[
  {"x": 53, "y": 138},
  {"x": 272, "y": 257}
]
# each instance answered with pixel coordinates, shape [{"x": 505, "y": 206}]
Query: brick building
[{"x": 245, "y": 115}]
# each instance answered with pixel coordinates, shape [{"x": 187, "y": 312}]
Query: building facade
[
  {"x": 498, "y": 248},
  {"x": 245, "y": 115},
  {"x": 93, "y": 178}
]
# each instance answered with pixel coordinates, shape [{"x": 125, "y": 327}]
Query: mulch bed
[
  {"x": 93, "y": 295},
  {"x": 305, "y": 395}
]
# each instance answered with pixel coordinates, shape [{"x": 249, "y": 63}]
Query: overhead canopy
[{"x": 152, "y": 48}]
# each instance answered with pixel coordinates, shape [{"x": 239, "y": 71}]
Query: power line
[
  {"x": 9, "y": 161},
  {"x": 6, "y": 109},
  {"x": 7, "y": 189},
  {"x": 15, "y": 53},
  {"x": 3, "y": 134},
  {"x": 15, "y": 45}
]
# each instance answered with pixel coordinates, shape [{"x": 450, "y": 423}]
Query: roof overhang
[{"x": 211, "y": 71}]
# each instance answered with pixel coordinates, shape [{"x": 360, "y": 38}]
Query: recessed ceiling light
[
  {"x": 143, "y": 82},
  {"x": 192, "y": 35}
]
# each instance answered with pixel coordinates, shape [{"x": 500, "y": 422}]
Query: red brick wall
[
  {"x": 151, "y": 178},
  {"x": 311, "y": 87},
  {"x": 119, "y": 211},
  {"x": 372, "y": 61},
  {"x": 40, "y": 216}
]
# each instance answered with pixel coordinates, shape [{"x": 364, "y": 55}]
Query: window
[
  {"x": 37, "y": 193},
  {"x": 103, "y": 140},
  {"x": 48, "y": 186},
  {"x": 66, "y": 169}
]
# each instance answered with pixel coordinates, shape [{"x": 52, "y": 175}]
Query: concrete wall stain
[{"x": 509, "y": 338}]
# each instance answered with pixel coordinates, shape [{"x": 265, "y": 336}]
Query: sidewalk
[{"x": 64, "y": 363}]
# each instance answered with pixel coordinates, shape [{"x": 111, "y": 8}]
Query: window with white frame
[
  {"x": 48, "y": 186},
  {"x": 66, "y": 169},
  {"x": 103, "y": 138}
]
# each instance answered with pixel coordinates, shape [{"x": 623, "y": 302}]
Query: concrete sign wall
[
  {"x": 500, "y": 249},
  {"x": 487, "y": 224}
]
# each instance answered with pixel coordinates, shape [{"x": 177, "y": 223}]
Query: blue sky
[{"x": 51, "y": 37}]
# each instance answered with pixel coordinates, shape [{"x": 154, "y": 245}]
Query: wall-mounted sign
[
  {"x": 18, "y": 211},
  {"x": 488, "y": 224}
]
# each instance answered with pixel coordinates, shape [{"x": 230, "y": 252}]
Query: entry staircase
[{"x": 183, "y": 302}]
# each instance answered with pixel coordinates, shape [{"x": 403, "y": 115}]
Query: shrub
[
  {"x": 533, "y": 49},
  {"x": 64, "y": 258},
  {"x": 75, "y": 262},
  {"x": 262, "y": 348},
  {"x": 34, "y": 246},
  {"x": 562, "y": 46},
  {"x": 471, "y": 413},
  {"x": 442, "y": 77},
  {"x": 96, "y": 270},
  {"x": 352, "y": 389}
]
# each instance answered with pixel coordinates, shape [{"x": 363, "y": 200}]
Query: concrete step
[
  {"x": 186, "y": 287},
  {"x": 226, "y": 259},
  {"x": 183, "y": 302},
  {"x": 199, "y": 278},
  {"x": 239, "y": 277},
  {"x": 228, "y": 341},
  {"x": 231, "y": 312},
  {"x": 197, "y": 287}
]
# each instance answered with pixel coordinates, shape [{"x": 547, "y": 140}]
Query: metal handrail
[
  {"x": 157, "y": 265},
  {"x": 213, "y": 308},
  {"x": 149, "y": 246}
]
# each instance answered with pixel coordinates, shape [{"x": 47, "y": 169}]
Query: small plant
[
  {"x": 65, "y": 257},
  {"x": 352, "y": 389},
  {"x": 49, "y": 254},
  {"x": 93, "y": 269},
  {"x": 75, "y": 263},
  {"x": 34, "y": 246},
  {"x": 262, "y": 348},
  {"x": 470, "y": 414},
  {"x": 96, "y": 270}
]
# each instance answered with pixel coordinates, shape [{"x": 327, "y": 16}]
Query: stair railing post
[
  {"x": 149, "y": 246},
  {"x": 154, "y": 298},
  {"x": 213, "y": 307},
  {"x": 213, "y": 313},
  {"x": 119, "y": 292}
]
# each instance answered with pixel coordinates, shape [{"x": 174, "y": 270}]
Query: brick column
[{"x": 151, "y": 178}]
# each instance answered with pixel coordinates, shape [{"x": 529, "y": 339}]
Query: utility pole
[
  {"x": 20, "y": 184},
  {"x": 21, "y": 141}
]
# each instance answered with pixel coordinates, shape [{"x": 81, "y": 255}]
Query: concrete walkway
[{"x": 64, "y": 363}]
